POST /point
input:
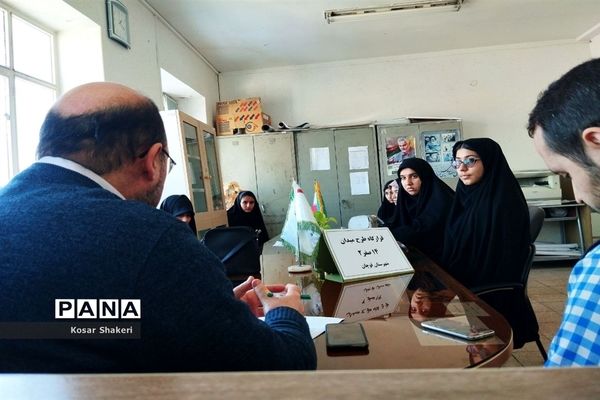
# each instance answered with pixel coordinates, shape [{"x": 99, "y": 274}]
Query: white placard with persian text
[{"x": 366, "y": 253}]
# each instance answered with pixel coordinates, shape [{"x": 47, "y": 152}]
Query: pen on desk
[{"x": 302, "y": 296}]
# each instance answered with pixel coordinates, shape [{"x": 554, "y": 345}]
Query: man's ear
[
  {"x": 591, "y": 137},
  {"x": 151, "y": 163}
]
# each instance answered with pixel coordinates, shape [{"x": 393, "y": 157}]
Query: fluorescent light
[{"x": 350, "y": 14}]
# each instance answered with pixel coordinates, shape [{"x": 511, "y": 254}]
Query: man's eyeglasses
[
  {"x": 172, "y": 162},
  {"x": 468, "y": 162}
]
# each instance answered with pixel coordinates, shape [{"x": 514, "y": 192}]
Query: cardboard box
[{"x": 243, "y": 114}]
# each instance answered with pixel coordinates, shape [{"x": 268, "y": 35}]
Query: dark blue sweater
[{"x": 64, "y": 237}]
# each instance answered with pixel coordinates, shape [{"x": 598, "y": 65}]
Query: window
[
  {"x": 27, "y": 90},
  {"x": 169, "y": 103}
]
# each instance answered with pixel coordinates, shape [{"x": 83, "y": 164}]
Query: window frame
[{"x": 12, "y": 75}]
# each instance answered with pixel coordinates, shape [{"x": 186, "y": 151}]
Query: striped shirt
[{"x": 577, "y": 342}]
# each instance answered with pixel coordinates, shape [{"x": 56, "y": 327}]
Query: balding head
[
  {"x": 101, "y": 126},
  {"x": 94, "y": 97}
]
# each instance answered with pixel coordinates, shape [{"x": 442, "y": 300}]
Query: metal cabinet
[
  {"x": 431, "y": 140},
  {"x": 264, "y": 164},
  {"x": 192, "y": 146},
  {"x": 344, "y": 161}
]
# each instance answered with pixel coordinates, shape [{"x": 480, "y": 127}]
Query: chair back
[
  {"x": 511, "y": 299},
  {"x": 528, "y": 265},
  {"x": 536, "y": 220},
  {"x": 237, "y": 248}
]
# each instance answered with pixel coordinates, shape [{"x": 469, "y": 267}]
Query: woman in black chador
[
  {"x": 245, "y": 212},
  {"x": 487, "y": 232},
  {"x": 422, "y": 207},
  {"x": 388, "y": 207},
  {"x": 181, "y": 208}
]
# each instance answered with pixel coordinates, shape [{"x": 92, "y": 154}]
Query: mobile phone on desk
[
  {"x": 458, "y": 328},
  {"x": 346, "y": 336}
]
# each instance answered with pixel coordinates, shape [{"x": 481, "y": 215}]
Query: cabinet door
[
  {"x": 436, "y": 139},
  {"x": 344, "y": 161},
  {"x": 431, "y": 140},
  {"x": 196, "y": 175},
  {"x": 358, "y": 175},
  {"x": 390, "y": 157},
  {"x": 214, "y": 175},
  {"x": 236, "y": 158},
  {"x": 315, "y": 152},
  {"x": 275, "y": 171},
  {"x": 195, "y": 160}
]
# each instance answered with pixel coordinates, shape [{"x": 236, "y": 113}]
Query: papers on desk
[{"x": 317, "y": 324}]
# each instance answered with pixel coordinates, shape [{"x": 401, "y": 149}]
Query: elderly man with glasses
[{"x": 80, "y": 228}]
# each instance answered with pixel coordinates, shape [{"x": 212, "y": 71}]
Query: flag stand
[
  {"x": 300, "y": 231},
  {"x": 299, "y": 267}
]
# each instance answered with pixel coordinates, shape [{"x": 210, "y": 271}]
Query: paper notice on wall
[
  {"x": 358, "y": 157},
  {"x": 319, "y": 159},
  {"x": 359, "y": 183}
]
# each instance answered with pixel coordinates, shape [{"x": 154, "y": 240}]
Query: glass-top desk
[{"x": 391, "y": 310}]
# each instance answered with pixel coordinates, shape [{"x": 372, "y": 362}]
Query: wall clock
[{"x": 118, "y": 22}]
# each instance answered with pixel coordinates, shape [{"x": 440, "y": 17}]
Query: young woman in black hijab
[
  {"x": 487, "y": 232},
  {"x": 422, "y": 207},
  {"x": 387, "y": 208},
  {"x": 180, "y": 207},
  {"x": 245, "y": 212}
]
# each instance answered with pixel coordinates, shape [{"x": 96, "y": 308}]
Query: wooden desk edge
[
  {"x": 502, "y": 383},
  {"x": 498, "y": 359}
]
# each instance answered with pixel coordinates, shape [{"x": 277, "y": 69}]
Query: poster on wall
[
  {"x": 397, "y": 148},
  {"x": 437, "y": 150}
]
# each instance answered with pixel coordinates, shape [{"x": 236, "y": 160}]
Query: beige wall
[
  {"x": 595, "y": 46},
  {"x": 153, "y": 46},
  {"x": 491, "y": 89}
]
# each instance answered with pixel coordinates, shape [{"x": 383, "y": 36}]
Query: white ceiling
[{"x": 250, "y": 34}]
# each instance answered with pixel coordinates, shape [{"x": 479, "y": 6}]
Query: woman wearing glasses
[
  {"x": 487, "y": 232},
  {"x": 422, "y": 207}
]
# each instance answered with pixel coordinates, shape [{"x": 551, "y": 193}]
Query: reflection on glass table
[{"x": 391, "y": 310}]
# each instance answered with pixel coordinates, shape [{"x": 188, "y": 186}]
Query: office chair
[
  {"x": 237, "y": 248},
  {"x": 510, "y": 298}
]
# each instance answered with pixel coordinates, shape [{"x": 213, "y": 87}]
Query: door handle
[{"x": 346, "y": 204}]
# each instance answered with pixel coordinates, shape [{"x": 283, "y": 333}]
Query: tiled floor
[{"x": 547, "y": 292}]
